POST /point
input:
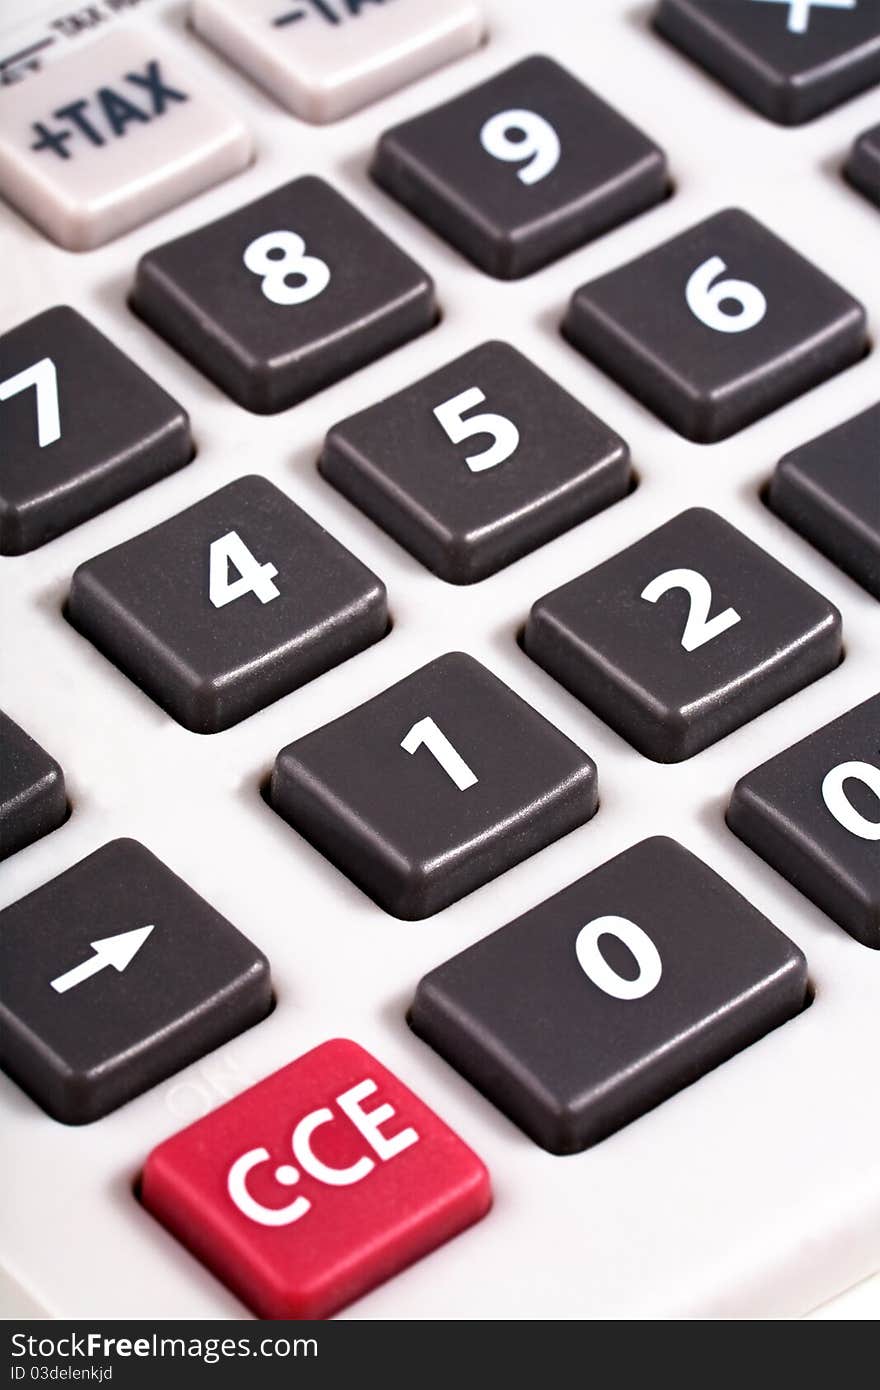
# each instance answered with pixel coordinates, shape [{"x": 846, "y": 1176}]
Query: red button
[{"x": 316, "y": 1184}]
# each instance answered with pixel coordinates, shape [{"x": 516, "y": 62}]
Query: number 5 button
[
  {"x": 433, "y": 787},
  {"x": 616, "y": 993},
  {"x": 286, "y": 295},
  {"x": 685, "y": 636},
  {"x": 229, "y": 605},
  {"x": 813, "y": 812},
  {"x": 717, "y": 327}
]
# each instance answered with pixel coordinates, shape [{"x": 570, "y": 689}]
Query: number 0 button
[
  {"x": 435, "y": 786},
  {"x": 281, "y": 298},
  {"x": 717, "y": 327},
  {"x": 611, "y": 996},
  {"x": 522, "y": 169},
  {"x": 813, "y": 812},
  {"x": 229, "y": 605},
  {"x": 115, "y": 975},
  {"x": 685, "y": 636}
]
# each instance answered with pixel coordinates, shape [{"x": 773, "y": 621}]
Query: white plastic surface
[{"x": 755, "y": 1192}]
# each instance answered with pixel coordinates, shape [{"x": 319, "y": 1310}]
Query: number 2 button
[
  {"x": 435, "y": 786},
  {"x": 229, "y": 605},
  {"x": 718, "y": 326},
  {"x": 685, "y": 636},
  {"x": 522, "y": 169},
  {"x": 285, "y": 296}
]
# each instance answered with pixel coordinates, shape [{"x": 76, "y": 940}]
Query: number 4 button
[
  {"x": 718, "y": 326},
  {"x": 433, "y": 787},
  {"x": 685, "y": 636},
  {"x": 229, "y": 605}
]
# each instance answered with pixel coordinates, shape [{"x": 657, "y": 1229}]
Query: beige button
[
  {"x": 324, "y": 58},
  {"x": 109, "y": 136}
]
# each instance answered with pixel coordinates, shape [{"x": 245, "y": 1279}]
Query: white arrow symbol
[
  {"x": 117, "y": 951},
  {"x": 799, "y": 11}
]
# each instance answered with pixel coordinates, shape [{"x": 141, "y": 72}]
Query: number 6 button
[
  {"x": 718, "y": 326},
  {"x": 285, "y": 296},
  {"x": 685, "y": 636},
  {"x": 229, "y": 605},
  {"x": 611, "y": 996},
  {"x": 813, "y": 812},
  {"x": 522, "y": 169},
  {"x": 433, "y": 787}
]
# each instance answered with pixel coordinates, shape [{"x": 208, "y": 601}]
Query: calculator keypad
[
  {"x": 829, "y": 491},
  {"x": 522, "y": 169},
  {"x": 434, "y": 787},
  {"x": 718, "y": 326},
  {"x": 813, "y": 813},
  {"x": 477, "y": 464},
  {"x": 82, "y": 428},
  {"x": 115, "y": 975},
  {"x": 377, "y": 1181},
  {"x": 110, "y": 135},
  {"x": 229, "y": 605},
  {"x": 33, "y": 800},
  {"x": 323, "y": 59},
  {"x": 284, "y": 296},
  {"x": 601, "y": 1002},
  {"x": 789, "y": 59},
  {"x": 684, "y": 636}
]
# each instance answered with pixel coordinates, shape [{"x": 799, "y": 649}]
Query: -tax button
[
  {"x": 316, "y": 1184},
  {"x": 109, "y": 136}
]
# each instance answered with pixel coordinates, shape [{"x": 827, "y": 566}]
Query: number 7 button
[{"x": 432, "y": 788}]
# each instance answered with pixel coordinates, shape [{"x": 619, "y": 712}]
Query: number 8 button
[
  {"x": 685, "y": 636},
  {"x": 717, "y": 327}
]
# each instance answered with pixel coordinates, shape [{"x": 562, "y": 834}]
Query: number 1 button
[
  {"x": 115, "y": 975},
  {"x": 229, "y": 605},
  {"x": 718, "y": 326},
  {"x": 685, "y": 636},
  {"x": 522, "y": 169},
  {"x": 611, "y": 996},
  {"x": 432, "y": 788},
  {"x": 285, "y": 296}
]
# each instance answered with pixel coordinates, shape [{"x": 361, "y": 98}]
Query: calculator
[{"x": 440, "y": 736}]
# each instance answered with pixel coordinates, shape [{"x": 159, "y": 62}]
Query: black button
[
  {"x": 522, "y": 169},
  {"x": 684, "y": 636},
  {"x": 115, "y": 975},
  {"x": 829, "y": 490},
  {"x": 813, "y": 813},
  {"x": 32, "y": 796},
  {"x": 478, "y": 463},
  {"x": 611, "y": 996},
  {"x": 432, "y": 788},
  {"x": 789, "y": 59},
  {"x": 718, "y": 326},
  {"x": 863, "y": 165},
  {"x": 229, "y": 605},
  {"x": 285, "y": 296},
  {"x": 82, "y": 428}
]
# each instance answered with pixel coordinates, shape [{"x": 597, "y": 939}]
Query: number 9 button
[
  {"x": 522, "y": 169},
  {"x": 718, "y": 326},
  {"x": 813, "y": 812},
  {"x": 285, "y": 296},
  {"x": 228, "y": 605},
  {"x": 611, "y": 996},
  {"x": 685, "y": 636}
]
